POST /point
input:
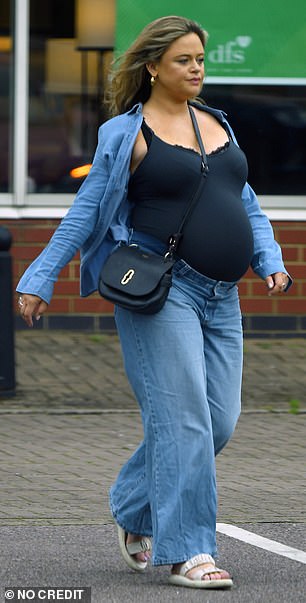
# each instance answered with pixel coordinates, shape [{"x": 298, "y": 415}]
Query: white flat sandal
[
  {"x": 197, "y": 581},
  {"x": 127, "y": 550}
]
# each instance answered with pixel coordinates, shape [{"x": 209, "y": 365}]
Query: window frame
[{"x": 19, "y": 203}]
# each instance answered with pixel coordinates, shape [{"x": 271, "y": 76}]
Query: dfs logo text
[{"x": 230, "y": 52}]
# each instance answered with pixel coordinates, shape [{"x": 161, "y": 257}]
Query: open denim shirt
[{"x": 99, "y": 217}]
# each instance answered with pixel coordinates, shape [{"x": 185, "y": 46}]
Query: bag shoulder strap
[
  {"x": 199, "y": 138},
  {"x": 175, "y": 238}
]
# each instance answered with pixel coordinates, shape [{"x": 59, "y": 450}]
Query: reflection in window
[
  {"x": 66, "y": 91},
  {"x": 270, "y": 124},
  {"x": 5, "y": 94}
]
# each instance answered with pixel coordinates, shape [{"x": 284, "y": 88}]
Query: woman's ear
[{"x": 151, "y": 67}]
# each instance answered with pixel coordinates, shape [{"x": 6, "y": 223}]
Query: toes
[
  {"x": 223, "y": 575},
  {"x": 141, "y": 556},
  {"x": 217, "y": 576},
  {"x": 212, "y": 577}
]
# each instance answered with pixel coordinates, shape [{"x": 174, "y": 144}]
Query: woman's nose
[{"x": 195, "y": 66}]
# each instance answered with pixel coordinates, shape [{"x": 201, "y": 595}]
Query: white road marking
[{"x": 261, "y": 542}]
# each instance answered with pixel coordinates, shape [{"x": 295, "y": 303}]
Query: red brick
[
  {"x": 92, "y": 305},
  {"x": 64, "y": 287},
  {"x": 75, "y": 270},
  {"x": 290, "y": 254},
  {"x": 257, "y": 306},
  {"x": 258, "y": 288},
  {"x": 297, "y": 270},
  {"x": 291, "y": 306},
  {"x": 281, "y": 224},
  {"x": 16, "y": 276},
  {"x": 52, "y": 222},
  {"x": 292, "y": 236},
  {"x": 243, "y": 288},
  {"x": 26, "y": 252},
  {"x": 254, "y": 299},
  {"x": 107, "y": 307},
  {"x": 32, "y": 222},
  {"x": 16, "y": 232},
  {"x": 38, "y": 235},
  {"x": 58, "y": 306},
  {"x": 261, "y": 289},
  {"x": 65, "y": 272},
  {"x": 249, "y": 274},
  {"x": 20, "y": 265}
]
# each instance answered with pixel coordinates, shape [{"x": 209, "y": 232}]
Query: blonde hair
[{"x": 130, "y": 81}]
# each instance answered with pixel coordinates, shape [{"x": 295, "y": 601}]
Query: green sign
[{"x": 257, "y": 40}]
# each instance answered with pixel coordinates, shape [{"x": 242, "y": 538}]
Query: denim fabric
[
  {"x": 185, "y": 366},
  {"x": 99, "y": 216}
]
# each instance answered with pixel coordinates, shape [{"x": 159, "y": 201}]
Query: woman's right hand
[{"x": 29, "y": 306}]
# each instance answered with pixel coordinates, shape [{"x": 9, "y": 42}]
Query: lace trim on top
[
  {"x": 148, "y": 133},
  {"x": 220, "y": 149}
]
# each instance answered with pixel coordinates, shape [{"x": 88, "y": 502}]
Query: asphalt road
[
  {"x": 71, "y": 426},
  {"x": 88, "y": 556}
]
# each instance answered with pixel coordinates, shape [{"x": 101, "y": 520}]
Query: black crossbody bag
[{"x": 140, "y": 281}]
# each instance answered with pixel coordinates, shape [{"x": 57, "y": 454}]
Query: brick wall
[
  {"x": 263, "y": 315},
  {"x": 282, "y": 314}
]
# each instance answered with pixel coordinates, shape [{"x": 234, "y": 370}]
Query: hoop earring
[{"x": 153, "y": 79}]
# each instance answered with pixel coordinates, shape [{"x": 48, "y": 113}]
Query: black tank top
[{"x": 217, "y": 239}]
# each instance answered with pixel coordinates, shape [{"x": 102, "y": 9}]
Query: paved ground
[
  {"x": 69, "y": 370},
  {"x": 72, "y": 424},
  {"x": 57, "y": 469}
]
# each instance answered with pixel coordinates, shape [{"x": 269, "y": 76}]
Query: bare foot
[
  {"x": 192, "y": 573},
  {"x": 143, "y": 556}
]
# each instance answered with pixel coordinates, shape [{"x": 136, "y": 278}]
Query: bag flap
[{"x": 134, "y": 271}]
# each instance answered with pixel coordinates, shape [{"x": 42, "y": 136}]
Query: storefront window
[
  {"x": 270, "y": 124},
  {"x": 66, "y": 82},
  {"x": 54, "y": 60},
  {"x": 6, "y": 47}
]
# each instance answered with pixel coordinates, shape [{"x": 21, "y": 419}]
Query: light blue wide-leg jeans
[{"x": 185, "y": 367}]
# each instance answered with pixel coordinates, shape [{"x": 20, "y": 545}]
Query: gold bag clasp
[{"x": 127, "y": 276}]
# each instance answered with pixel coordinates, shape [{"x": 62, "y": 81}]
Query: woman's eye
[{"x": 200, "y": 61}]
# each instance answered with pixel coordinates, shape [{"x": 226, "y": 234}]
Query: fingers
[
  {"x": 31, "y": 306},
  {"x": 277, "y": 283},
  {"x": 27, "y": 308},
  {"x": 269, "y": 282}
]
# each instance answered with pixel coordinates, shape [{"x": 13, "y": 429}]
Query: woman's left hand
[{"x": 277, "y": 283}]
